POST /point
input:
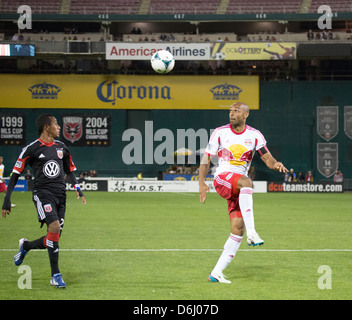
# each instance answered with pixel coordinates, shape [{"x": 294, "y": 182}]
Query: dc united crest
[{"x": 73, "y": 128}]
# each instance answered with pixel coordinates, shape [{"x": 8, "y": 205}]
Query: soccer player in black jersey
[{"x": 50, "y": 160}]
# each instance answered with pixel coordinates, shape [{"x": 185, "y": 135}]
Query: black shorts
[{"x": 50, "y": 208}]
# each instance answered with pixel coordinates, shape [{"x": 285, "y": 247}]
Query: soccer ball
[
  {"x": 162, "y": 61},
  {"x": 219, "y": 56}
]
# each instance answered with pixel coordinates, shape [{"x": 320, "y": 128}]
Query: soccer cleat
[
  {"x": 254, "y": 240},
  {"x": 19, "y": 256},
  {"x": 56, "y": 280},
  {"x": 218, "y": 278}
]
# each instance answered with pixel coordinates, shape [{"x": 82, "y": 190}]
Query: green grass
[{"x": 124, "y": 221}]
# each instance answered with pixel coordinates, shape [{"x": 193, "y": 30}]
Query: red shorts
[
  {"x": 2, "y": 187},
  {"x": 226, "y": 186}
]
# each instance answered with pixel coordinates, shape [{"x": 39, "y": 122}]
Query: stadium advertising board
[
  {"x": 154, "y": 186},
  {"x": 169, "y": 186},
  {"x": 90, "y": 185},
  {"x": 144, "y": 51},
  {"x": 254, "y": 51},
  {"x": 17, "y": 50},
  {"x": 186, "y": 177},
  {"x": 127, "y": 92},
  {"x": 85, "y": 185},
  {"x": 310, "y": 187},
  {"x": 21, "y": 185}
]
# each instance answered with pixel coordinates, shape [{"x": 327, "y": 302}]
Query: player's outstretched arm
[
  {"x": 272, "y": 163},
  {"x": 203, "y": 170},
  {"x": 72, "y": 179},
  {"x": 6, "y": 207}
]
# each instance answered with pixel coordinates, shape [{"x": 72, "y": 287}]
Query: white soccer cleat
[
  {"x": 254, "y": 240},
  {"x": 219, "y": 277}
]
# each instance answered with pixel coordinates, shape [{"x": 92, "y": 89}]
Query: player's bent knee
[
  {"x": 244, "y": 182},
  {"x": 54, "y": 227},
  {"x": 237, "y": 226}
]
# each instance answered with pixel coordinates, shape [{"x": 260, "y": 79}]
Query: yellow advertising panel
[
  {"x": 254, "y": 51},
  {"x": 127, "y": 92}
]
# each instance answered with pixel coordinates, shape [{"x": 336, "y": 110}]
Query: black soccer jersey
[{"x": 50, "y": 163}]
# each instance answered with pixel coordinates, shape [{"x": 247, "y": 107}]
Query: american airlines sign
[{"x": 144, "y": 51}]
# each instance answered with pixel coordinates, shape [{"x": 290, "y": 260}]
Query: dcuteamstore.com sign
[{"x": 321, "y": 187}]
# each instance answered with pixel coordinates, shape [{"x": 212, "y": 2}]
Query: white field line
[{"x": 190, "y": 250}]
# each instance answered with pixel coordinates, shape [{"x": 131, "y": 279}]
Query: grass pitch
[{"x": 162, "y": 246}]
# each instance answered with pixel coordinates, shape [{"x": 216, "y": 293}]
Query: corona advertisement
[{"x": 127, "y": 92}]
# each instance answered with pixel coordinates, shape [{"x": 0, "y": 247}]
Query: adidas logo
[{"x": 41, "y": 156}]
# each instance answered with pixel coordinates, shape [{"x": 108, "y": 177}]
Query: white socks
[
  {"x": 233, "y": 242},
  {"x": 246, "y": 205},
  {"x": 230, "y": 248}
]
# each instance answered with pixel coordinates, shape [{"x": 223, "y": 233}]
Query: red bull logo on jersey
[{"x": 237, "y": 155}]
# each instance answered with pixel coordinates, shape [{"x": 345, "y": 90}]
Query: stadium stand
[
  {"x": 183, "y": 6},
  {"x": 37, "y": 6},
  {"x": 336, "y": 5},
  {"x": 104, "y": 6},
  {"x": 175, "y": 7},
  {"x": 180, "y": 37},
  {"x": 263, "y": 6}
]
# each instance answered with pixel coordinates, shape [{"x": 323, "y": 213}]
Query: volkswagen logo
[{"x": 51, "y": 169}]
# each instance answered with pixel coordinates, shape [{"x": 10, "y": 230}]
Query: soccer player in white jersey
[
  {"x": 2, "y": 181},
  {"x": 235, "y": 145},
  {"x": 3, "y": 187}
]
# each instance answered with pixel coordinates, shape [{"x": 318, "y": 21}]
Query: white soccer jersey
[
  {"x": 235, "y": 151},
  {"x": 2, "y": 168}
]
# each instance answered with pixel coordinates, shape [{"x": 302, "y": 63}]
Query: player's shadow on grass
[{"x": 257, "y": 272}]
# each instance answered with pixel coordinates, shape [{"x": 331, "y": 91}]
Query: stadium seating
[
  {"x": 183, "y": 6},
  {"x": 336, "y": 5},
  {"x": 263, "y": 6},
  {"x": 104, "y": 6},
  {"x": 174, "y": 7},
  {"x": 37, "y": 6}
]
